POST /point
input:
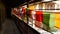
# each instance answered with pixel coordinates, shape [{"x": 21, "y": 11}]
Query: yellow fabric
[
  {"x": 57, "y": 20},
  {"x": 31, "y": 7}
]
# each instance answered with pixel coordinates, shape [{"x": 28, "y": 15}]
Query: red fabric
[
  {"x": 39, "y": 16},
  {"x": 38, "y": 24},
  {"x": 15, "y": 11},
  {"x": 24, "y": 11}
]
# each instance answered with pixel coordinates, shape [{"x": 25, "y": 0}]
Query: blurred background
[{"x": 7, "y": 25}]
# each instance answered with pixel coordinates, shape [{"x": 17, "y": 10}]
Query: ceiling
[{"x": 12, "y": 3}]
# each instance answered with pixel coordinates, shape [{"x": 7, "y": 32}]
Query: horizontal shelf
[
  {"x": 47, "y": 9},
  {"x": 35, "y": 28},
  {"x": 40, "y": 30}
]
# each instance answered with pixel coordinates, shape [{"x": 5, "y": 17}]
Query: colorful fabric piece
[
  {"x": 46, "y": 17},
  {"x": 57, "y": 21},
  {"x": 51, "y": 22},
  {"x": 31, "y": 7},
  {"x": 24, "y": 11},
  {"x": 39, "y": 18}
]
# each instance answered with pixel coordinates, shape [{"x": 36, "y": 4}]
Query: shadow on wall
[{"x": 2, "y": 14}]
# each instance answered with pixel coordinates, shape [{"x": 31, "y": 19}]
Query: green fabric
[
  {"x": 46, "y": 17},
  {"x": 51, "y": 22}
]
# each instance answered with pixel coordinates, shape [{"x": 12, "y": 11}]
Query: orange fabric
[
  {"x": 57, "y": 20},
  {"x": 30, "y": 11},
  {"x": 31, "y": 7}
]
